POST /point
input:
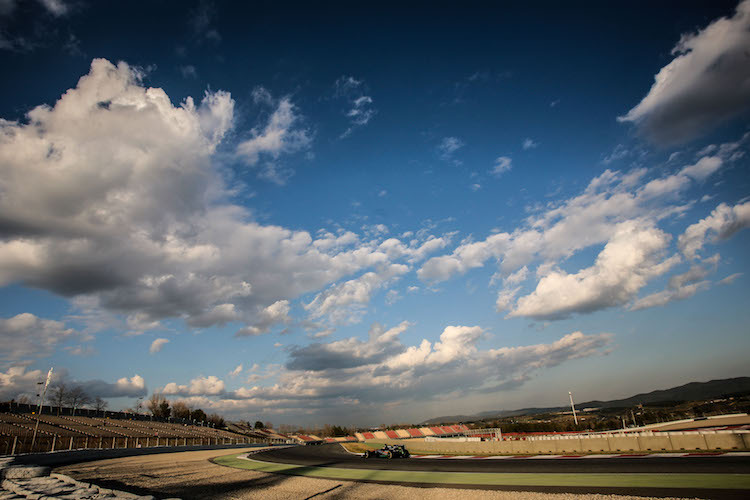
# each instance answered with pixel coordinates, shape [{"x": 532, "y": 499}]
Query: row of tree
[
  {"x": 160, "y": 407},
  {"x": 74, "y": 397}
]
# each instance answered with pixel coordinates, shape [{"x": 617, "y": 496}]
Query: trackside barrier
[
  {"x": 633, "y": 442},
  {"x": 16, "y": 445}
]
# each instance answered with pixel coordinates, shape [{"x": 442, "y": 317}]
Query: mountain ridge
[{"x": 686, "y": 392}]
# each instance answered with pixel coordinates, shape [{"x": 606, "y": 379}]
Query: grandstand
[{"x": 82, "y": 432}]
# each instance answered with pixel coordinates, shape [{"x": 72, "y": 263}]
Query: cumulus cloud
[
  {"x": 156, "y": 345},
  {"x": 723, "y": 222},
  {"x": 357, "y": 374},
  {"x": 529, "y": 143},
  {"x": 681, "y": 286},
  {"x": 281, "y": 135},
  {"x": 199, "y": 386},
  {"x": 343, "y": 303},
  {"x": 704, "y": 85},
  {"x": 111, "y": 196},
  {"x": 276, "y": 313},
  {"x": 18, "y": 380},
  {"x": 26, "y": 335},
  {"x": 612, "y": 202},
  {"x": 132, "y": 387},
  {"x": 629, "y": 260}
]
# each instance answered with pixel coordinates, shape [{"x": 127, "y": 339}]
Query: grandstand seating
[{"x": 73, "y": 432}]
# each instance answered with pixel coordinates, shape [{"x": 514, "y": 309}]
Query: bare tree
[
  {"x": 158, "y": 406},
  {"x": 180, "y": 409},
  {"x": 77, "y": 398},
  {"x": 59, "y": 396},
  {"x": 100, "y": 404}
]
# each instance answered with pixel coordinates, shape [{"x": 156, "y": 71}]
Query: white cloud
[
  {"x": 343, "y": 303},
  {"x": 361, "y": 375},
  {"x": 618, "y": 153},
  {"x": 281, "y": 135},
  {"x": 276, "y": 313},
  {"x": 111, "y": 197},
  {"x": 704, "y": 85},
  {"x": 199, "y": 386},
  {"x": 529, "y": 143},
  {"x": 629, "y": 260},
  {"x": 57, "y": 8},
  {"x": 156, "y": 345},
  {"x": 564, "y": 228},
  {"x": 502, "y": 165},
  {"x": 723, "y": 222},
  {"x": 681, "y": 286},
  {"x": 448, "y": 146},
  {"x": 188, "y": 71},
  {"x": 360, "y": 106},
  {"x": 238, "y": 370},
  {"x": 392, "y": 296},
  {"x": 26, "y": 335},
  {"x": 730, "y": 279},
  {"x": 218, "y": 315}
]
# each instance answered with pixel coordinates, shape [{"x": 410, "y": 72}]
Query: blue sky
[{"x": 361, "y": 215}]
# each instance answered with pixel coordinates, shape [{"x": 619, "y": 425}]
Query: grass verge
[{"x": 682, "y": 481}]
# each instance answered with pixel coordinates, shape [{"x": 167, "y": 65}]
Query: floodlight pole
[
  {"x": 41, "y": 402},
  {"x": 573, "y": 407}
]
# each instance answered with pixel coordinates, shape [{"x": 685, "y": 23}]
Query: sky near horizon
[{"x": 345, "y": 214}]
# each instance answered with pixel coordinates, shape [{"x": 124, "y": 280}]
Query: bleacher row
[
  {"x": 421, "y": 432},
  {"x": 21, "y": 424},
  {"x": 77, "y": 432}
]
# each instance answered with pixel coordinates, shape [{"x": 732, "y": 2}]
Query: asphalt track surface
[{"x": 335, "y": 456}]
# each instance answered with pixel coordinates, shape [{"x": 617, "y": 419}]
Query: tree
[
  {"x": 258, "y": 424},
  {"x": 216, "y": 420},
  {"x": 198, "y": 415},
  {"x": 180, "y": 409},
  {"x": 268, "y": 425},
  {"x": 158, "y": 406},
  {"x": 100, "y": 404},
  {"x": 164, "y": 409},
  {"x": 77, "y": 398},
  {"x": 59, "y": 396}
]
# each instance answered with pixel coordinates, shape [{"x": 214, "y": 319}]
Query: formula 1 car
[{"x": 388, "y": 451}]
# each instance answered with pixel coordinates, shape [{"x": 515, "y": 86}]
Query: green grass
[{"x": 685, "y": 481}]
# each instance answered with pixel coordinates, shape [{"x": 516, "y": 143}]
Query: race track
[
  {"x": 333, "y": 455},
  {"x": 715, "y": 477}
]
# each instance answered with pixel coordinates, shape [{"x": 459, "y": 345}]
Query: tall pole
[
  {"x": 41, "y": 403},
  {"x": 573, "y": 407}
]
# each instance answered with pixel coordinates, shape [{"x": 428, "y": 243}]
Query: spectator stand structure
[{"x": 81, "y": 432}]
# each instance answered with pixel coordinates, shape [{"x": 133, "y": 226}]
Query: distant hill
[{"x": 694, "y": 391}]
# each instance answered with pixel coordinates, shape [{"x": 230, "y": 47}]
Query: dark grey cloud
[{"x": 706, "y": 84}]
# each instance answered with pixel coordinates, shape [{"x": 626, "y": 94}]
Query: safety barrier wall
[{"x": 612, "y": 443}]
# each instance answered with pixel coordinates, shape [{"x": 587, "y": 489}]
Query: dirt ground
[{"x": 189, "y": 475}]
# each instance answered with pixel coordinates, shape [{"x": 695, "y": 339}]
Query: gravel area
[
  {"x": 189, "y": 475},
  {"x": 34, "y": 482}
]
